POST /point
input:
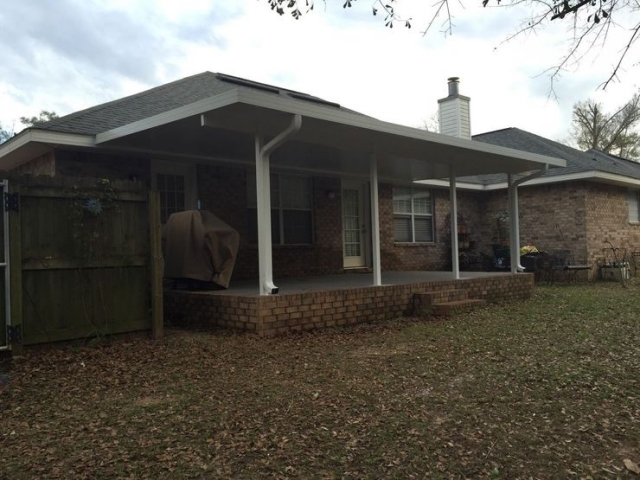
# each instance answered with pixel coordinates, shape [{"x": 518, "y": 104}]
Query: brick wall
[
  {"x": 42, "y": 165},
  {"x": 78, "y": 163},
  {"x": 278, "y": 314},
  {"x": 425, "y": 256},
  {"x": 552, "y": 217},
  {"x": 608, "y": 219},
  {"x": 223, "y": 191}
]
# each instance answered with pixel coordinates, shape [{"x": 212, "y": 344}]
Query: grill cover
[{"x": 199, "y": 246}]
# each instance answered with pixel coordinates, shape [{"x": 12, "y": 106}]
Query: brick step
[
  {"x": 423, "y": 302},
  {"x": 442, "y": 296},
  {"x": 447, "y": 309}
]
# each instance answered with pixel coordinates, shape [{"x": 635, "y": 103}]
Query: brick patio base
[{"x": 295, "y": 312}]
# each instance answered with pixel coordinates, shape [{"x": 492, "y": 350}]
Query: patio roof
[{"x": 332, "y": 139}]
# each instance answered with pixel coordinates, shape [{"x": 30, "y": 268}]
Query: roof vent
[
  {"x": 453, "y": 86},
  {"x": 271, "y": 89},
  {"x": 247, "y": 83}
]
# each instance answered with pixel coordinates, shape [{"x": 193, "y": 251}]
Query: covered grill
[{"x": 199, "y": 246}]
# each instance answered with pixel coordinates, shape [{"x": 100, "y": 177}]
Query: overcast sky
[{"x": 65, "y": 55}]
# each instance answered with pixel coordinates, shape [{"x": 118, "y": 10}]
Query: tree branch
[{"x": 632, "y": 40}]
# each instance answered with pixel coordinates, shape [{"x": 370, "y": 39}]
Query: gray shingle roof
[
  {"x": 158, "y": 100},
  {"x": 577, "y": 161}
]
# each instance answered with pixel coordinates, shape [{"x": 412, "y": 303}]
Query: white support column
[
  {"x": 514, "y": 225},
  {"x": 263, "y": 198},
  {"x": 514, "y": 221},
  {"x": 375, "y": 221},
  {"x": 455, "y": 258}
]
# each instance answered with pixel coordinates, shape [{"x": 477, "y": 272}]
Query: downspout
[
  {"x": 453, "y": 215},
  {"x": 515, "y": 217},
  {"x": 294, "y": 127},
  {"x": 263, "y": 195}
]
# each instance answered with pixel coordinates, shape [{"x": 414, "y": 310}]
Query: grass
[{"x": 544, "y": 389}]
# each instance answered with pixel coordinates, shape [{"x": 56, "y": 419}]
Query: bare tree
[
  {"x": 5, "y": 134},
  {"x": 431, "y": 124},
  {"x": 612, "y": 133},
  {"x": 591, "y": 23}
]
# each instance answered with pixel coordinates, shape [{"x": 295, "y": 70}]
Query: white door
[
  {"x": 175, "y": 182},
  {"x": 353, "y": 225}
]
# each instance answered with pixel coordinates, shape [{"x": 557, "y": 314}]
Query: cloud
[{"x": 75, "y": 54}]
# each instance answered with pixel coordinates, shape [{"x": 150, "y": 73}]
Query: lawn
[{"x": 548, "y": 388}]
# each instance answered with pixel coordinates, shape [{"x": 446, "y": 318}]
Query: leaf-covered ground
[{"x": 549, "y": 388}]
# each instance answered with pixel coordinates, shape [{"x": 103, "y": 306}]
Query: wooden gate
[{"x": 84, "y": 252}]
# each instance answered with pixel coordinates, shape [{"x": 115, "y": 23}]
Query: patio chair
[{"x": 561, "y": 261}]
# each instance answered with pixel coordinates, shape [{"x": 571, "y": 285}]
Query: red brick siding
[
  {"x": 552, "y": 217},
  {"x": 74, "y": 163},
  {"x": 424, "y": 256},
  {"x": 278, "y": 314},
  {"x": 42, "y": 165},
  {"x": 608, "y": 219},
  {"x": 223, "y": 191}
]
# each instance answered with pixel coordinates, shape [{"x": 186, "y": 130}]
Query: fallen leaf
[{"x": 632, "y": 466}]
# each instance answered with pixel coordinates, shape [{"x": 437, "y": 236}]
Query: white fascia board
[
  {"x": 321, "y": 112},
  {"x": 570, "y": 177},
  {"x": 57, "y": 138},
  {"x": 15, "y": 143},
  {"x": 445, "y": 184},
  {"x": 48, "y": 137},
  {"x": 180, "y": 113}
]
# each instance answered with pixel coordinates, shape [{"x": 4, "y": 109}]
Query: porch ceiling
[{"x": 330, "y": 140}]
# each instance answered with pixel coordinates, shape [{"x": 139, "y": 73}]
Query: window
[
  {"x": 412, "y": 215},
  {"x": 634, "y": 206},
  {"x": 291, "y": 215},
  {"x": 172, "y": 194}
]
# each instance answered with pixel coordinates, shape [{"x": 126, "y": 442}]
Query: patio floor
[{"x": 348, "y": 281}]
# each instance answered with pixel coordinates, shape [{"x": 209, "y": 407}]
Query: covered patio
[
  {"x": 265, "y": 128},
  {"x": 217, "y": 141}
]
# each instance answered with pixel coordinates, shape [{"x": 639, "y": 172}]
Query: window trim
[
  {"x": 633, "y": 196},
  {"x": 412, "y": 215},
  {"x": 281, "y": 209},
  {"x": 186, "y": 169}
]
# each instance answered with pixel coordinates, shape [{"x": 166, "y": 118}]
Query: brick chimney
[{"x": 453, "y": 112}]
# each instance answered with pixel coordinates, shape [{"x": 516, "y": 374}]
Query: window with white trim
[
  {"x": 634, "y": 206},
  {"x": 412, "y": 215},
  {"x": 172, "y": 194},
  {"x": 291, "y": 210}
]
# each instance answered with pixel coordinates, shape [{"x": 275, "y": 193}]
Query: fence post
[
  {"x": 15, "y": 271},
  {"x": 157, "y": 306}
]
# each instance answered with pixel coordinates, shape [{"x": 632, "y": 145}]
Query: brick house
[
  {"x": 192, "y": 140},
  {"x": 578, "y": 207},
  {"x": 314, "y": 189}
]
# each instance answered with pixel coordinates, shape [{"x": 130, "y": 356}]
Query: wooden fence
[{"x": 85, "y": 258}]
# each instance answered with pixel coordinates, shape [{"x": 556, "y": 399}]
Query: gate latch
[
  {"x": 11, "y": 202},
  {"x": 14, "y": 334}
]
